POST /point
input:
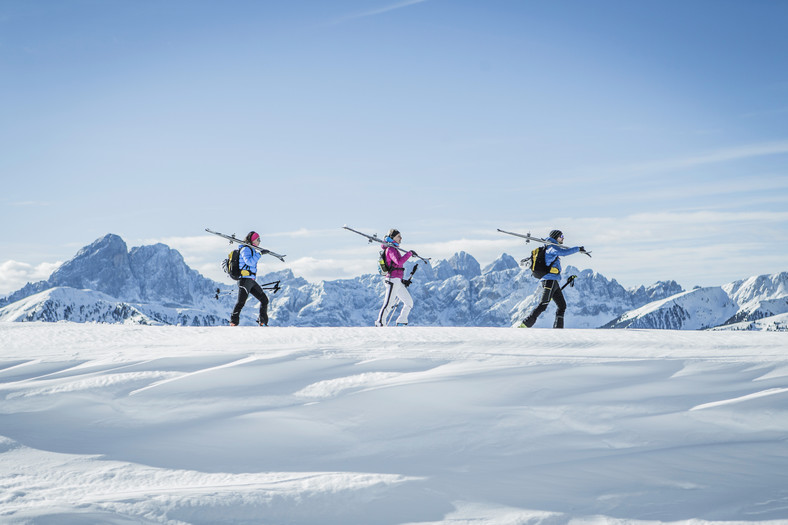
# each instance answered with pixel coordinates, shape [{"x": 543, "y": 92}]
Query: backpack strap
[
  {"x": 386, "y": 256},
  {"x": 245, "y": 269}
]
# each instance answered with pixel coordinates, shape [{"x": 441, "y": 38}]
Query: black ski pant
[
  {"x": 552, "y": 292},
  {"x": 246, "y": 287}
]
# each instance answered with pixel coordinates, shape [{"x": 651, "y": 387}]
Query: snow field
[{"x": 135, "y": 424}]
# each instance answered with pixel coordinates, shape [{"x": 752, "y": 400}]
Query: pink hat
[{"x": 254, "y": 236}]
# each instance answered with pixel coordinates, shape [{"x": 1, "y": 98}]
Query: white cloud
[
  {"x": 14, "y": 274},
  {"x": 713, "y": 157},
  {"x": 766, "y": 113},
  {"x": 29, "y": 204},
  {"x": 313, "y": 269},
  {"x": 762, "y": 188},
  {"x": 379, "y": 11},
  {"x": 303, "y": 233},
  {"x": 483, "y": 250},
  {"x": 704, "y": 247},
  {"x": 626, "y": 173}
]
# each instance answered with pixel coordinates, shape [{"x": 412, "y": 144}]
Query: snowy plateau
[
  {"x": 117, "y": 424},
  {"x": 152, "y": 285}
]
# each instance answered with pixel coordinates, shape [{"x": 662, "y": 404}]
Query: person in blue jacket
[
  {"x": 247, "y": 262},
  {"x": 550, "y": 282}
]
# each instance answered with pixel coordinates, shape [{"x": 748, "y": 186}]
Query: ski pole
[
  {"x": 406, "y": 282},
  {"x": 570, "y": 281},
  {"x": 391, "y": 312},
  {"x": 266, "y": 286},
  {"x": 220, "y": 292},
  {"x": 269, "y": 286}
]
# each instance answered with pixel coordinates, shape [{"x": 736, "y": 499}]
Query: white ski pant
[{"x": 395, "y": 289}]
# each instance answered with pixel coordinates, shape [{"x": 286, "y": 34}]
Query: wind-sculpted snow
[{"x": 107, "y": 423}]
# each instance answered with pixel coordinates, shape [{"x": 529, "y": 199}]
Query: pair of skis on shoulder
[
  {"x": 528, "y": 238},
  {"x": 262, "y": 251},
  {"x": 375, "y": 238}
]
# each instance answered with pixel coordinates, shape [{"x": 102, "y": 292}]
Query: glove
[
  {"x": 582, "y": 249},
  {"x": 406, "y": 282},
  {"x": 413, "y": 253}
]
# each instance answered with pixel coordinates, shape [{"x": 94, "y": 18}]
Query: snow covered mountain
[
  {"x": 63, "y": 303},
  {"x": 145, "y": 274},
  {"x": 740, "y": 305},
  {"x": 763, "y": 303},
  {"x": 693, "y": 310},
  {"x": 758, "y": 288},
  {"x": 106, "y": 282}
]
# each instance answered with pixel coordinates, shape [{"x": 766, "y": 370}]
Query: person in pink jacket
[{"x": 393, "y": 281}]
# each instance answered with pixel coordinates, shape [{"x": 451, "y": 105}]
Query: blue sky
[{"x": 654, "y": 133}]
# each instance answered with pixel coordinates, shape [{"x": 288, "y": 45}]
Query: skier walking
[
  {"x": 247, "y": 261},
  {"x": 393, "y": 280},
  {"x": 550, "y": 282}
]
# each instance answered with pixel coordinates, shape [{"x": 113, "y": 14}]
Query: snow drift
[{"x": 122, "y": 424}]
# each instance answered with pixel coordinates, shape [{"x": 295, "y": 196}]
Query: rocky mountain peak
[{"x": 105, "y": 282}]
